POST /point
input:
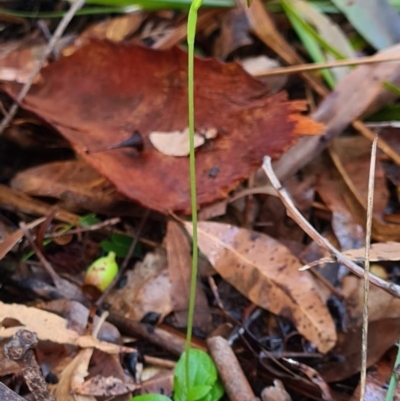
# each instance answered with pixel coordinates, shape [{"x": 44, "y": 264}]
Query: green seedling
[
  {"x": 101, "y": 272},
  {"x": 202, "y": 385},
  {"x": 195, "y": 376}
]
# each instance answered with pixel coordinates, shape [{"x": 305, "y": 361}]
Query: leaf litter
[{"x": 303, "y": 323}]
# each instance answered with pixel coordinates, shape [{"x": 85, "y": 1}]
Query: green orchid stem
[{"x": 191, "y": 34}]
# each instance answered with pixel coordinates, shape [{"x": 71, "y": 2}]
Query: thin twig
[
  {"x": 391, "y": 288},
  {"x": 364, "y": 346},
  {"x": 126, "y": 260},
  {"x": 93, "y": 227},
  {"x": 49, "y": 48},
  {"x": 48, "y": 267},
  {"x": 329, "y": 64},
  {"x": 67, "y": 289}
]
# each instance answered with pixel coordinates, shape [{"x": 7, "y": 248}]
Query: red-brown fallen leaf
[
  {"x": 104, "y": 92},
  {"x": 267, "y": 273}
]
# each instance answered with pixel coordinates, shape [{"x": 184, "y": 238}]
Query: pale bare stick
[
  {"x": 391, "y": 288},
  {"x": 368, "y": 229},
  {"x": 49, "y": 48},
  {"x": 329, "y": 64}
]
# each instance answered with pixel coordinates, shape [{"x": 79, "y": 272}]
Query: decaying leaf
[
  {"x": 175, "y": 143},
  {"x": 147, "y": 289},
  {"x": 268, "y": 274},
  {"x": 154, "y": 98},
  {"x": 50, "y": 327},
  {"x": 105, "y": 386}
]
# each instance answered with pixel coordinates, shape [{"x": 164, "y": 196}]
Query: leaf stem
[{"x": 191, "y": 34}]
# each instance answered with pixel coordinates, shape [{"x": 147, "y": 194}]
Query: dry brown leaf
[
  {"x": 351, "y": 158},
  {"x": 381, "y": 305},
  {"x": 234, "y": 33},
  {"x": 100, "y": 386},
  {"x": 175, "y": 143},
  {"x": 147, "y": 290},
  {"x": 92, "y": 116},
  {"x": 77, "y": 184},
  {"x": 50, "y": 327},
  {"x": 349, "y": 233},
  {"x": 115, "y": 29},
  {"x": 267, "y": 273},
  {"x": 179, "y": 271},
  {"x": 11, "y": 199},
  {"x": 382, "y": 334},
  {"x": 8, "y": 242}
]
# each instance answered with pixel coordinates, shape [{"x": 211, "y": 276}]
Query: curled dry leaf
[
  {"x": 175, "y": 143},
  {"x": 154, "y": 98},
  {"x": 268, "y": 274}
]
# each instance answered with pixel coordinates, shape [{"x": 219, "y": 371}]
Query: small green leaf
[
  {"x": 119, "y": 244},
  {"x": 202, "y": 374},
  {"x": 89, "y": 220},
  {"x": 198, "y": 392},
  {"x": 217, "y": 391},
  {"x": 150, "y": 397}
]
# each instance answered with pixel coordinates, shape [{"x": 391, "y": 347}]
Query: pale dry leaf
[
  {"x": 380, "y": 251},
  {"x": 81, "y": 369},
  {"x": 277, "y": 392},
  {"x": 175, "y": 143},
  {"x": 63, "y": 390},
  {"x": 261, "y": 64},
  {"x": 50, "y": 327},
  {"x": 267, "y": 273}
]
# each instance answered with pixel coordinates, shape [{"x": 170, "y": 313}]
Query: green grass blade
[{"x": 394, "y": 378}]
